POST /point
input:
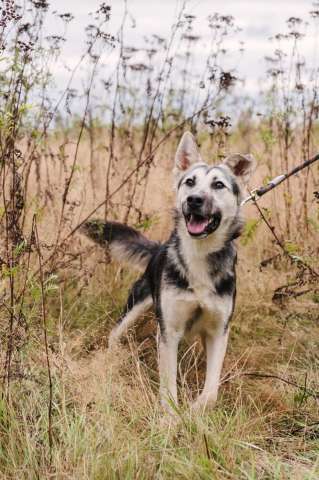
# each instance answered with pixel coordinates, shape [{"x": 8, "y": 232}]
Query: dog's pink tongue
[{"x": 196, "y": 227}]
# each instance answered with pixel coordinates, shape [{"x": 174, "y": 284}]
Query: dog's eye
[
  {"x": 218, "y": 185},
  {"x": 190, "y": 182}
]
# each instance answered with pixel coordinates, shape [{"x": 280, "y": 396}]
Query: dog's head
[{"x": 208, "y": 197}]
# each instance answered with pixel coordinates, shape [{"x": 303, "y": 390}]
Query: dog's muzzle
[{"x": 200, "y": 224}]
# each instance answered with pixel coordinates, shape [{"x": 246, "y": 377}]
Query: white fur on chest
[
  {"x": 191, "y": 312},
  {"x": 199, "y": 277},
  {"x": 197, "y": 310},
  {"x": 201, "y": 295}
]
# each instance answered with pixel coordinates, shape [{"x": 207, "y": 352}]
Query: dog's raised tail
[{"x": 126, "y": 244}]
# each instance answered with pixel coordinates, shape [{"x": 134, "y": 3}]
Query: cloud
[{"x": 258, "y": 20}]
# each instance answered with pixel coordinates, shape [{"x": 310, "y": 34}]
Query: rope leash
[{"x": 259, "y": 192}]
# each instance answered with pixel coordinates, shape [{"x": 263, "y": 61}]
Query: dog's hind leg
[{"x": 139, "y": 301}]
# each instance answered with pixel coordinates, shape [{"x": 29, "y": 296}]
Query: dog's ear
[
  {"x": 187, "y": 153},
  {"x": 241, "y": 165}
]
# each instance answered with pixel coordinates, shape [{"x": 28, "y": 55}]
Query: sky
[{"x": 259, "y": 20}]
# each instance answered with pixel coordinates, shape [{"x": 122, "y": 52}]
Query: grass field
[
  {"x": 104, "y": 147},
  {"x": 106, "y": 418}
]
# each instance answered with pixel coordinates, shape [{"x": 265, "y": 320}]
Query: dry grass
[
  {"x": 107, "y": 422},
  {"x": 101, "y": 419},
  {"x": 106, "y": 419}
]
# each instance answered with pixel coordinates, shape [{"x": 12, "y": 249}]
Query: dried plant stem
[
  {"x": 281, "y": 245},
  {"x": 113, "y": 117},
  {"x": 45, "y": 333},
  {"x": 75, "y": 158},
  {"x": 311, "y": 393}
]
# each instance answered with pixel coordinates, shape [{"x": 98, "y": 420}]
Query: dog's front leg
[
  {"x": 168, "y": 349},
  {"x": 216, "y": 344}
]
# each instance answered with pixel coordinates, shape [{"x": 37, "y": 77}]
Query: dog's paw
[
  {"x": 169, "y": 407},
  {"x": 204, "y": 403},
  {"x": 168, "y": 420}
]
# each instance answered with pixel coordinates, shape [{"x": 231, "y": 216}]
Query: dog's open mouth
[{"x": 199, "y": 225}]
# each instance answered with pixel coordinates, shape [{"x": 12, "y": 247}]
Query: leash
[{"x": 259, "y": 192}]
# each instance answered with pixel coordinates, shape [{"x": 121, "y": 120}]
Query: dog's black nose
[{"x": 195, "y": 201}]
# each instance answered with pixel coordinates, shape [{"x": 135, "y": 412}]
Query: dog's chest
[
  {"x": 200, "y": 281},
  {"x": 203, "y": 311},
  {"x": 202, "y": 286},
  {"x": 199, "y": 295}
]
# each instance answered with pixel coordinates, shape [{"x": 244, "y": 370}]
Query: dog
[{"x": 190, "y": 280}]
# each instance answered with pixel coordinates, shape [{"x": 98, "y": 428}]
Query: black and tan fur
[{"x": 190, "y": 280}]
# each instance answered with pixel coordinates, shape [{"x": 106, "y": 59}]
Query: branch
[
  {"x": 311, "y": 393},
  {"x": 45, "y": 331}
]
